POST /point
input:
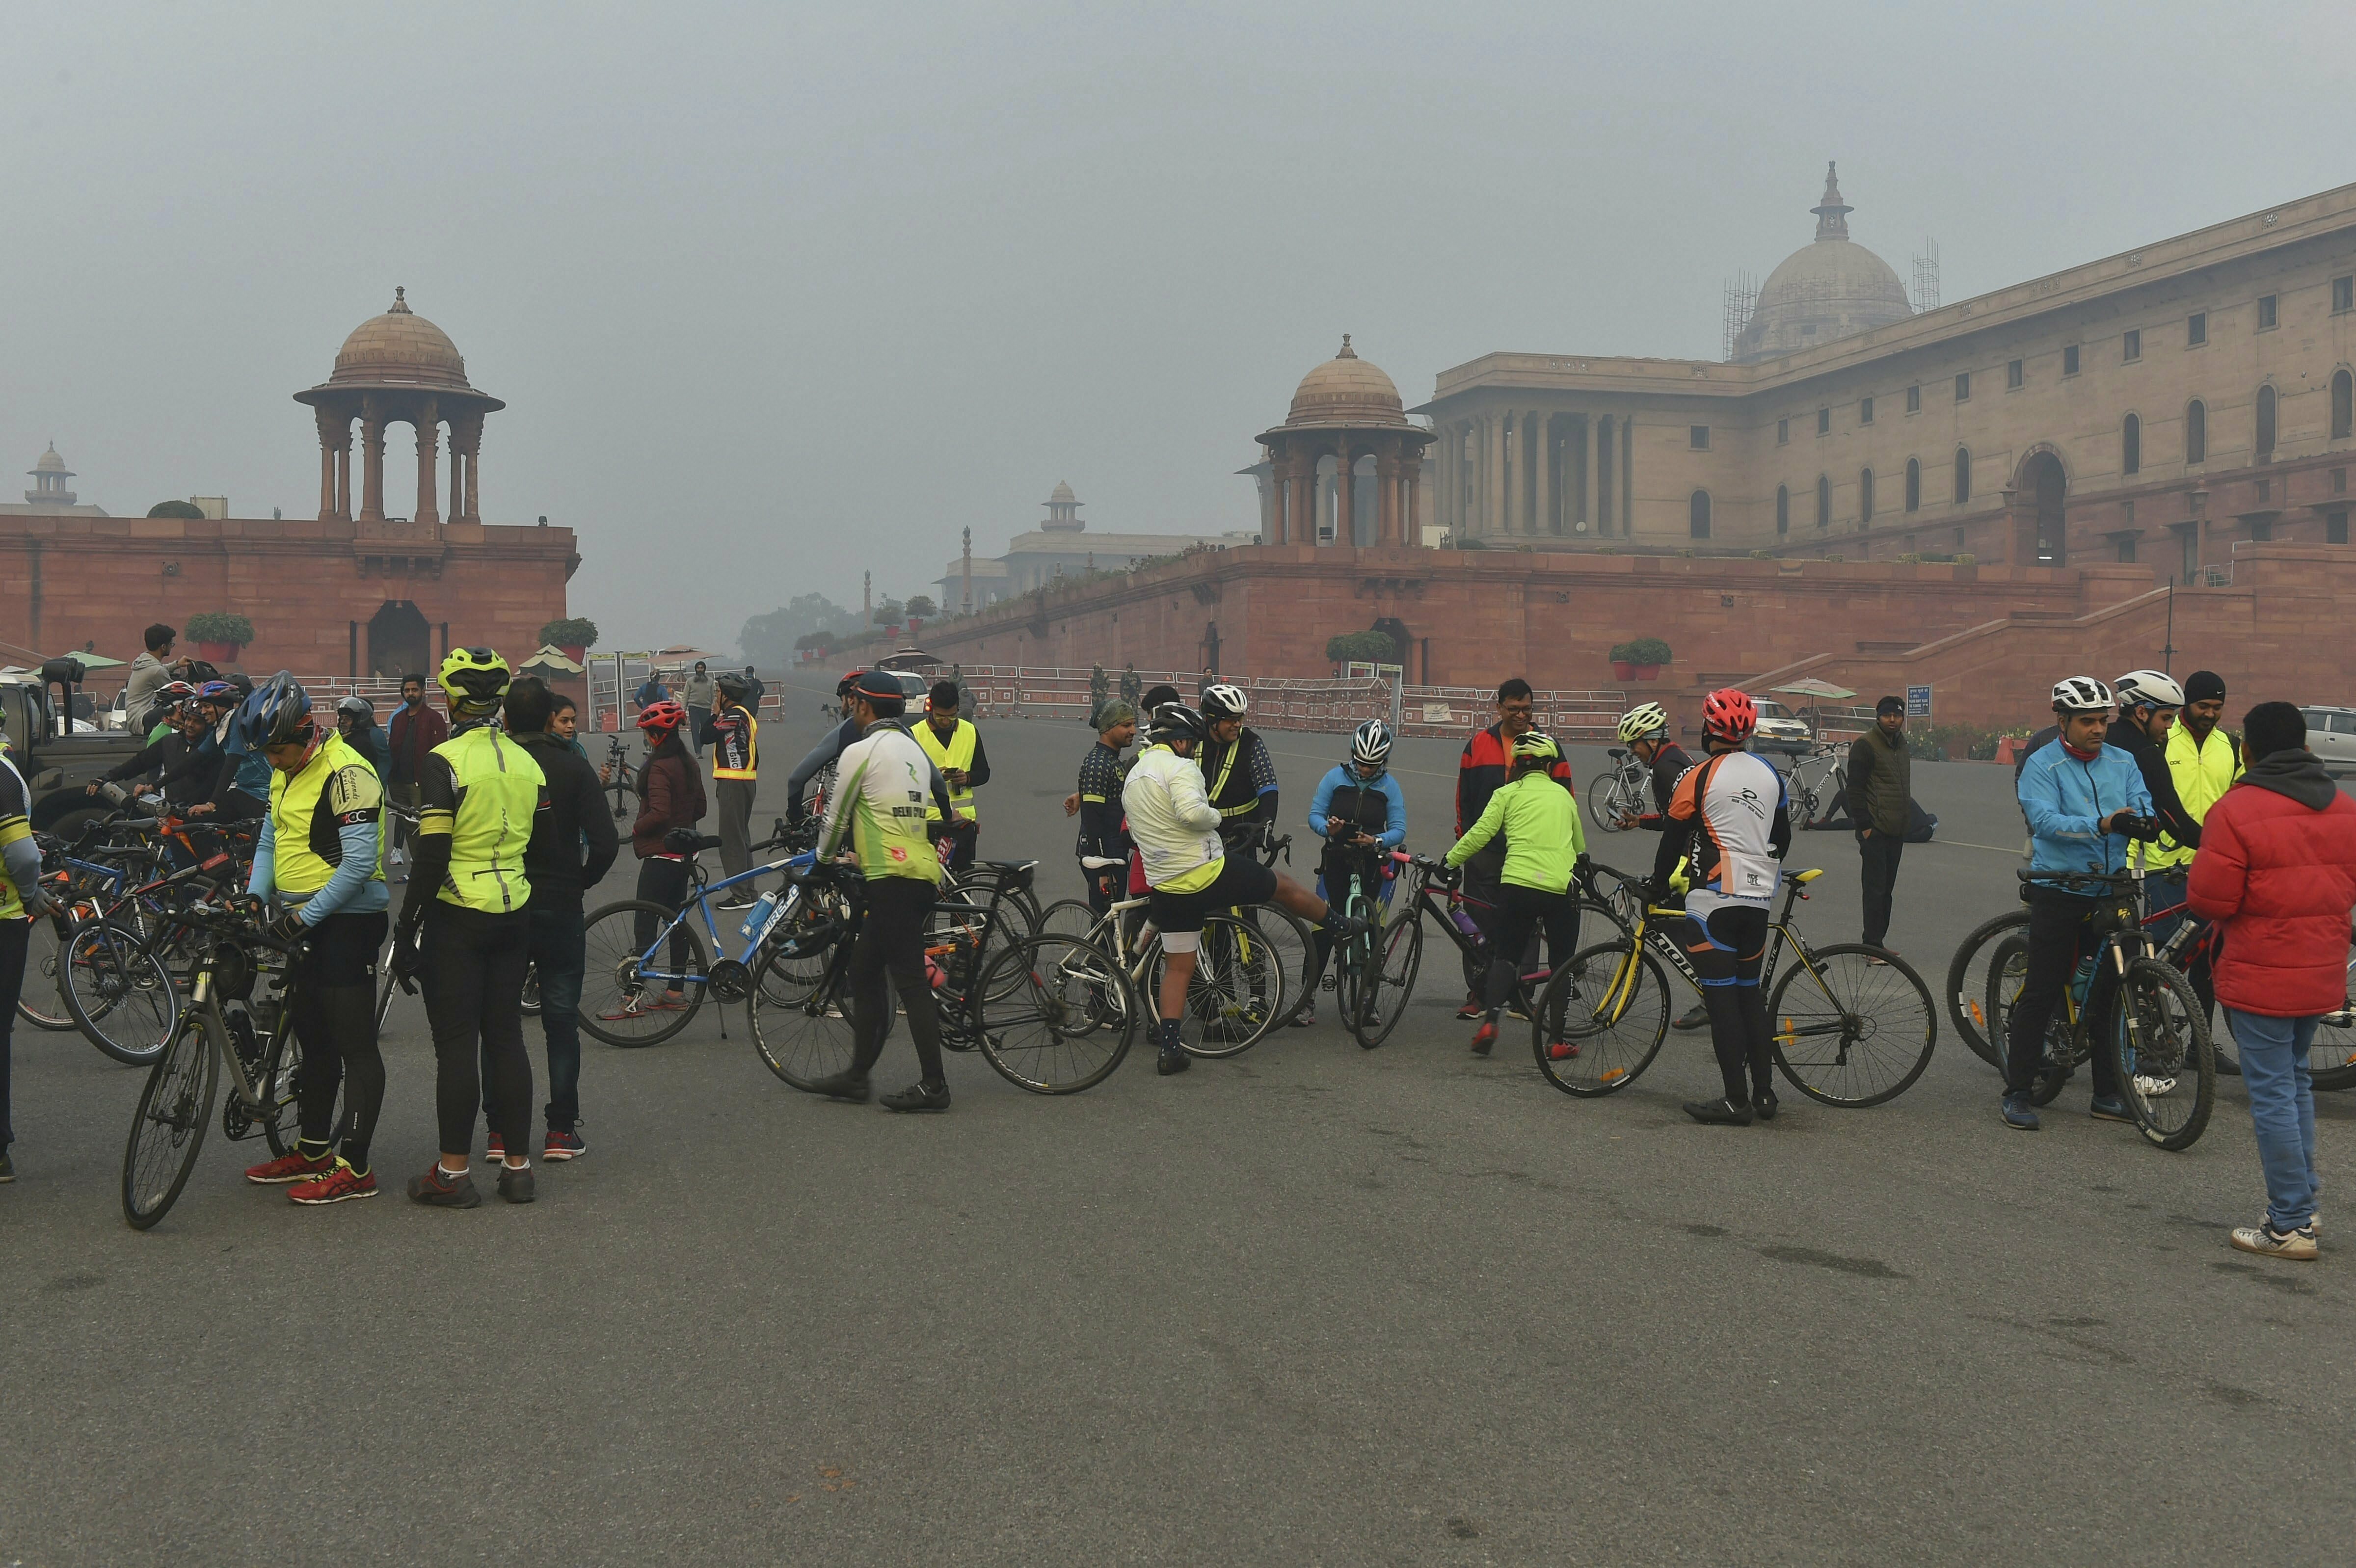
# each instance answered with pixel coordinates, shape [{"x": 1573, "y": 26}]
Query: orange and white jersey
[{"x": 1731, "y": 813}]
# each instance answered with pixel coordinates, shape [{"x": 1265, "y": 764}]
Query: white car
[
  {"x": 2331, "y": 736},
  {"x": 1779, "y": 729}
]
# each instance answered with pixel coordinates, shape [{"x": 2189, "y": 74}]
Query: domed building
[
  {"x": 398, "y": 368},
  {"x": 1344, "y": 467},
  {"x": 1059, "y": 547},
  {"x": 48, "y": 498},
  {"x": 1833, "y": 288}
]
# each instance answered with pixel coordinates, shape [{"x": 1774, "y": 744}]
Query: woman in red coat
[
  {"x": 670, "y": 796},
  {"x": 2277, "y": 867}
]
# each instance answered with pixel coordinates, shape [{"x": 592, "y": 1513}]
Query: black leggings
[
  {"x": 2059, "y": 933},
  {"x": 662, "y": 879},
  {"x": 1522, "y": 913},
  {"x": 892, "y": 940},
  {"x": 1727, "y": 950},
  {"x": 473, "y": 966},
  {"x": 334, "y": 1022}
]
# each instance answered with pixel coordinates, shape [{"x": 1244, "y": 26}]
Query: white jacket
[{"x": 1172, "y": 821}]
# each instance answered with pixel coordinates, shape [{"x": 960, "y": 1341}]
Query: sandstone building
[{"x": 1060, "y": 547}]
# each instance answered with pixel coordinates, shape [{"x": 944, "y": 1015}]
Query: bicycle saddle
[
  {"x": 1012, "y": 865},
  {"x": 1804, "y": 878}
]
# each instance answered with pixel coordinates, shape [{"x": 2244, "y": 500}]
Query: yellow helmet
[
  {"x": 474, "y": 679},
  {"x": 1642, "y": 722}
]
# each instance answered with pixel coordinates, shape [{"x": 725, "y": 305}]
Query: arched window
[
  {"x": 1823, "y": 501},
  {"x": 2196, "y": 431},
  {"x": 2131, "y": 445},
  {"x": 1913, "y": 484},
  {"x": 1963, "y": 475},
  {"x": 1864, "y": 497},
  {"x": 2344, "y": 406},
  {"x": 1783, "y": 509},
  {"x": 1698, "y": 515},
  {"x": 2265, "y": 421}
]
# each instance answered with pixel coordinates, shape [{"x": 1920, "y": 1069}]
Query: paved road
[{"x": 1313, "y": 1306}]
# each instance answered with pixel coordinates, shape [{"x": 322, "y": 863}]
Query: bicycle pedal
[{"x": 1328, "y": 983}]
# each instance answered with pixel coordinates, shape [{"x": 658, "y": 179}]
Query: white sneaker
[
  {"x": 2261, "y": 1239},
  {"x": 2154, "y": 1088}
]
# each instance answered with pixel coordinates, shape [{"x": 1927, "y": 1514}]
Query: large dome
[
  {"x": 1833, "y": 288},
  {"x": 1346, "y": 391},
  {"x": 400, "y": 348}
]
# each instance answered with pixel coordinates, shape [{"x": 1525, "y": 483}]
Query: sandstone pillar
[
  {"x": 372, "y": 463},
  {"x": 1550, "y": 476},
  {"x": 1346, "y": 493},
  {"x": 327, "y": 464},
  {"x": 429, "y": 446},
  {"x": 1387, "y": 506}
]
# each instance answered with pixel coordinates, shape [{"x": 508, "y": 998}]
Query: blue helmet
[{"x": 277, "y": 714}]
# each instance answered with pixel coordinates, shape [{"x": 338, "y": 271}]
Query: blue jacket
[
  {"x": 2065, "y": 801},
  {"x": 1394, "y": 831}
]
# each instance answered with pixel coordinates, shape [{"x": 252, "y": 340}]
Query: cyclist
[
  {"x": 464, "y": 928},
  {"x": 1360, "y": 813},
  {"x": 1179, "y": 832},
  {"x": 954, "y": 744},
  {"x": 1644, "y": 730},
  {"x": 1480, "y": 772},
  {"x": 2082, "y": 799},
  {"x": 734, "y": 735},
  {"x": 1544, "y": 844},
  {"x": 1240, "y": 775},
  {"x": 1731, "y": 822},
  {"x": 1097, "y": 803},
  {"x": 172, "y": 760},
  {"x": 829, "y": 747},
  {"x": 321, "y": 853},
  {"x": 878, "y": 814},
  {"x": 356, "y": 722},
  {"x": 22, "y": 902},
  {"x": 2148, "y": 704},
  {"x": 671, "y": 800}
]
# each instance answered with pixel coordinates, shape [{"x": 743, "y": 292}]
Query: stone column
[
  {"x": 1300, "y": 505},
  {"x": 1550, "y": 477},
  {"x": 1346, "y": 493},
  {"x": 1627, "y": 478},
  {"x": 326, "y": 463},
  {"x": 474, "y": 513},
  {"x": 429, "y": 449},
  {"x": 457, "y": 507},
  {"x": 343, "y": 473},
  {"x": 1411, "y": 506},
  {"x": 1387, "y": 506},
  {"x": 371, "y": 462},
  {"x": 1494, "y": 507}
]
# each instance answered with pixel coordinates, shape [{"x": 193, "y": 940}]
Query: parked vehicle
[
  {"x": 2331, "y": 736},
  {"x": 58, "y": 755},
  {"x": 1780, "y": 730}
]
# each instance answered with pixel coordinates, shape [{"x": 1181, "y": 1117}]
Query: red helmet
[
  {"x": 665, "y": 716},
  {"x": 850, "y": 679},
  {"x": 1727, "y": 715}
]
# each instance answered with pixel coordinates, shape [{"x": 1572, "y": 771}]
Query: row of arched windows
[{"x": 1865, "y": 493}]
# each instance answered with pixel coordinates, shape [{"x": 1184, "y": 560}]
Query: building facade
[{"x": 1060, "y": 547}]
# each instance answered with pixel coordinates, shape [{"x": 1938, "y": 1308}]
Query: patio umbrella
[{"x": 1819, "y": 688}]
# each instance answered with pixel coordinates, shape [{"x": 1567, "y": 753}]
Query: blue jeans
[
  {"x": 560, "y": 952},
  {"x": 2282, "y": 1109}
]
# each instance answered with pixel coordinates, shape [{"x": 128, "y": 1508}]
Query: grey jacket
[{"x": 699, "y": 691}]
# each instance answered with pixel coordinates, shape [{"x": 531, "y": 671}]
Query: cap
[
  {"x": 1889, "y": 705},
  {"x": 2204, "y": 686},
  {"x": 878, "y": 683}
]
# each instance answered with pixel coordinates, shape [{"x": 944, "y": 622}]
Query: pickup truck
[{"x": 58, "y": 756}]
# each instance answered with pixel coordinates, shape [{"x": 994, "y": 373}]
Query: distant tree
[
  {"x": 888, "y": 613},
  {"x": 921, "y": 607},
  {"x": 768, "y": 640},
  {"x": 219, "y": 627},
  {"x": 572, "y": 632},
  {"x": 1362, "y": 647},
  {"x": 176, "y": 509}
]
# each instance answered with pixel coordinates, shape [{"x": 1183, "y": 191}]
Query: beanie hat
[
  {"x": 1889, "y": 705},
  {"x": 2203, "y": 685}
]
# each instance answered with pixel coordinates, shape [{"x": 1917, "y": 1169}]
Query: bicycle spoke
[{"x": 1851, "y": 1026}]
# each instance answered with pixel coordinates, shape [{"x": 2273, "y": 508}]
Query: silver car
[
  {"x": 2331, "y": 736},
  {"x": 1780, "y": 730}
]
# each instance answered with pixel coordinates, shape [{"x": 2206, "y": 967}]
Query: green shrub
[
  {"x": 1640, "y": 650},
  {"x": 219, "y": 627},
  {"x": 1362, "y": 647},
  {"x": 572, "y": 632}
]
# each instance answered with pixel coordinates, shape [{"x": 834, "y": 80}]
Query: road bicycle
[
  {"x": 1619, "y": 793},
  {"x": 1293, "y": 939},
  {"x": 1852, "y": 1025},
  {"x": 225, "y": 1024},
  {"x": 1373, "y": 973},
  {"x": 1051, "y": 1013},
  {"x": 1816, "y": 781},
  {"x": 1432, "y": 889},
  {"x": 2155, "y": 1028}
]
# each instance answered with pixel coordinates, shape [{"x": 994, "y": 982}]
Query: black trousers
[
  {"x": 2060, "y": 934},
  {"x": 472, "y": 968},
  {"x": 1878, "y": 857},
  {"x": 1526, "y": 911},
  {"x": 1727, "y": 950},
  {"x": 662, "y": 879},
  {"x": 14, "y": 935},
  {"x": 335, "y": 1020},
  {"x": 892, "y": 941}
]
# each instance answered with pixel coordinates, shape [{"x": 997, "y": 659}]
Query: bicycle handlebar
[{"x": 2103, "y": 879}]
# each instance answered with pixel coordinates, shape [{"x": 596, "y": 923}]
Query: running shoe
[
  {"x": 515, "y": 1184},
  {"x": 335, "y": 1186},
  {"x": 669, "y": 1002},
  {"x": 1473, "y": 1008},
  {"x": 918, "y": 1096},
  {"x": 1562, "y": 1051},
  {"x": 562, "y": 1146},
  {"x": 2267, "y": 1242},
  {"x": 444, "y": 1190},
  {"x": 2019, "y": 1113},
  {"x": 1485, "y": 1037},
  {"x": 633, "y": 1005},
  {"x": 295, "y": 1166},
  {"x": 2110, "y": 1110},
  {"x": 498, "y": 1147},
  {"x": 1693, "y": 1018},
  {"x": 1719, "y": 1113}
]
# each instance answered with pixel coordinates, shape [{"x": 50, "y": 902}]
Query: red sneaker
[
  {"x": 498, "y": 1147},
  {"x": 1562, "y": 1051},
  {"x": 1483, "y": 1038},
  {"x": 335, "y": 1186},
  {"x": 564, "y": 1146},
  {"x": 294, "y": 1166}
]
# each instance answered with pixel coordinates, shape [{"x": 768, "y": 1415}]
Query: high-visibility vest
[
  {"x": 498, "y": 790},
  {"x": 750, "y": 755},
  {"x": 958, "y": 753},
  {"x": 2202, "y": 774},
  {"x": 308, "y": 810}
]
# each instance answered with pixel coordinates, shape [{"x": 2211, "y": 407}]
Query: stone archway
[
  {"x": 398, "y": 641},
  {"x": 2041, "y": 490}
]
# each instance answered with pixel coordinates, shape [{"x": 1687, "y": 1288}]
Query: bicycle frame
[
  {"x": 699, "y": 902},
  {"x": 1651, "y": 930}
]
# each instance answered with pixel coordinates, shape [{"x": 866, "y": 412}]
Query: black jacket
[
  {"x": 2151, "y": 761},
  {"x": 553, "y": 861}
]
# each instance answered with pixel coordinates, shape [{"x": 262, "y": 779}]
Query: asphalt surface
[{"x": 1313, "y": 1306}]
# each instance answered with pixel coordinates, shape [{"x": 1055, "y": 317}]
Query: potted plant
[
  {"x": 574, "y": 634},
  {"x": 219, "y": 635},
  {"x": 1640, "y": 658}
]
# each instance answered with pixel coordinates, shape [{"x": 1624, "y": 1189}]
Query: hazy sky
[{"x": 777, "y": 292}]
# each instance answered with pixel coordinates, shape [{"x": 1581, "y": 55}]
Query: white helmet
[
  {"x": 1370, "y": 745},
  {"x": 1221, "y": 700},
  {"x": 1641, "y": 722},
  {"x": 2081, "y": 694},
  {"x": 2148, "y": 689}
]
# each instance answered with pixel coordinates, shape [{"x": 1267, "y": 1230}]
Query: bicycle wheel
[
  {"x": 1965, "y": 993},
  {"x": 1383, "y": 998},
  {"x": 1350, "y": 960},
  {"x": 1600, "y": 1020},
  {"x": 2160, "y": 1043},
  {"x": 1235, "y": 994},
  {"x": 42, "y": 1003},
  {"x": 1293, "y": 956},
  {"x": 1068, "y": 917},
  {"x": 168, "y": 1126},
  {"x": 801, "y": 1026},
  {"x": 1064, "y": 1018},
  {"x": 2008, "y": 971},
  {"x": 2332, "y": 1058},
  {"x": 1603, "y": 802},
  {"x": 120, "y": 995},
  {"x": 616, "y": 1005},
  {"x": 1853, "y": 1025}
]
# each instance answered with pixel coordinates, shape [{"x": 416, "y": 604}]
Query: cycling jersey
[
  {"x": 1171, "y": 817},
  {"x": 879, "y": 807},
  {"x": 22, "y": 855},
  {"x": 1482, "y": 768},
  {"x": 479, "y": 795},
  {"x": 1375, "y": 806},
  {"x": 1543, "y": 837},
  {"x": 736, "y": 738},
  {"x": 1669, "y": 765},
  {"x": 1100, "y": 781},
  {"x": 2066, "y": 799},
  {"x": 322, "y": 843},
  {"x": 1241, "y": 779},
  {"x": 1731, "y": 819}
]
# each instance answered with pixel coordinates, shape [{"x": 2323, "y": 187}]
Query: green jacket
[
  {"x": 1880, "y": 783},
  {"x": 1543, "y": 837}
]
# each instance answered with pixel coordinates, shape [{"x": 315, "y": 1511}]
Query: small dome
[
  {"x": 1061, "y": 495},
  {"x": 1833, "y": 288},
  {"x": 50, "y": 462},
  {"x": 1346, "y": 391},
  {"x": 400, "y": 347}
]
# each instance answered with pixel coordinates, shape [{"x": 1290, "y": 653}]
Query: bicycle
[
  {"x": 1403, "y": 941},
  {"x": 2155, "y": 1029},
  {"x": 224, "y": 1024},
  {"x": 1619, "y": 792},
  {"x": 1293, "y": 939},
  {"x": 1815, "y": 780},
  {"x": 1853, "y": 1025},
  {"x": 1371, "y": 980}
]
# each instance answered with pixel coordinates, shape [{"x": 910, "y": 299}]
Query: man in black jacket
[
  {"x": 1880, "y": 802},
  {"x": 559, "y": 871},
  {"x": 2148, "y": 702}
]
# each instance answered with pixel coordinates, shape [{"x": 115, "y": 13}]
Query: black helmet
[
  {"x": 277, "y": 714},
  {"x": 1176, "y": 721},
  {"x": 733, "y": 686}
]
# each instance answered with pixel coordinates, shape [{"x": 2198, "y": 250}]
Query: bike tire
[
  {"x": 1600, "y": 1020},
  {"x": 1348, "y": 964},
  {"x": 1294, "y": 941},
  {"x": 2331, "y": 1059},
  {"x": 810, "y": 1036},
  {"x": 614, "y": 1007},
  {"x": 2173, "y": 1034},
  {"x": 1855, "y": 1031},
  {"x": 1235, "y": 994},
  {"x": 1601, "y": 797},
  {"x": 1384, "y": 1003},
  {"x": 43, "y": 981},
  {"x": 1064, "y": 1023},
  {"x": 121, "y": 995},
  {"x": 1966, "y": 997},
  {"x": 168, "y": 1127},
  {"x": 1068, "y": 917}
]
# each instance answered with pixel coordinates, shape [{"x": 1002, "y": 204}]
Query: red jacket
[
  {"x": 670, "y": 795},
  {"x": 414, "y": 735},
  {"x": 1481, "y": 772},
  {"x": 2281, "y": 873}
]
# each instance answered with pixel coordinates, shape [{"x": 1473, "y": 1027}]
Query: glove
[
  {"x": 287, "y": 928},
  {"x": 404, "y": 955}
]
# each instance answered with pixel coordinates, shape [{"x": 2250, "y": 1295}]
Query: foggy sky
[{"x": 776, "y": 293}]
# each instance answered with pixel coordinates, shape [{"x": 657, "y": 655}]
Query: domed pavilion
[
  {"x": 1345, "y": 459},
  {"x": 398, "y": 368},
  {"x": 1833, "y": 288}
]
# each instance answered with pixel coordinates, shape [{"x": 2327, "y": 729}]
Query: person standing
[
  {"x": 1644, "y": 730},
  {"x": 1097, "y": 801},
  {"x": 466, "y": 931},
  {"x": 2204, "y": 763},
  {"x": 2277, "y": 867},
  {"x": 416, "y": 730},
  {"x": 1881, "y": 803},
  {"x": 22, "y": 902},
  {"x": 735, "y": 736},
  {"x": 150, "y": 673},
  {"x": 1099, "y": 692},
  {"x": 1481, "y": 772},
  {"x": 572, "y": 846},
  {"x": 954, "y": 745},
  {"x": 756, "y": 688},
  {"x": 700, "y": 693},
  {"x": 651, "y": 690},
  {"x": 1132, "y": 685},
  {"x": 1541, "y": 823},
  {"x": 356, "y": 722},
  {"x": 671, "y": 800}
]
